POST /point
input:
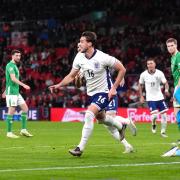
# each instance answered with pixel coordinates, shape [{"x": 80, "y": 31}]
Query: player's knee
[
  {"x": 11, "y": 110},
  {"x": 154, "y": 116},
  {"x": 111, "y": 129},
  {"x": 100, "y": 117}
]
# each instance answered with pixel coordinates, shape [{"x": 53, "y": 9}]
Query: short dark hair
[
  {"x": 90, "y": 37},
  {"x": 15, "y": 51},
  {"x": 171, "y": 40},
  {"x": 150, "y": 59}
]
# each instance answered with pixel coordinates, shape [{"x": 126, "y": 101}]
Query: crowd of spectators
[{"x": 48, "y": 35}]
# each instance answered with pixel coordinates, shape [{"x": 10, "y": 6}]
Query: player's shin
[
  {"x": 114, "y": 132},
  {"x": 126, "y": 145},
  {"x": 153, "y": 119},
  {"x": 87, "y": 129},
  {"x": 24, "y": 120},
  {"x": 163, "y": 123},
  {"x": 9, "y": 120}
]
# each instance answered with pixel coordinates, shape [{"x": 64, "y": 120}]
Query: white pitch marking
[
  {"x": 89, "y": 167},
  {"x": 14, "y": 147},
  {"x": 47, "y": 146}
]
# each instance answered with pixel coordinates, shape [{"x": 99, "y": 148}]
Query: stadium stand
[{"x": 47, "y": 36}]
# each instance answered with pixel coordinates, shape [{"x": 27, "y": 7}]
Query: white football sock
[
  {"x": 163, "y": 122},
  {"x": 87, "y": 129},
  {"x": 113, "y": 121},
  {"x": 123, "y": 120},
  {"x": 115, "y": 133},
  {"x": 153, "y": 118},
  {"x": 125, "y": 143}
]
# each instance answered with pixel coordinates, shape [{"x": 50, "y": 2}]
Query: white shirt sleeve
[
  {"x": 109, "y": 60},
  {"x": 76, "y": 62},
  {"x": 162, "y": 76},
  {"x": 141, "y": 79}
]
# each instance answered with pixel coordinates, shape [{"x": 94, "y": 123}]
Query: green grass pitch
[{"x": 45, "y": 156}]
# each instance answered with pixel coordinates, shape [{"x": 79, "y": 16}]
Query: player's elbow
[
  {"x": 123, "y": 70},
  {"x": 13, "y": 79}
]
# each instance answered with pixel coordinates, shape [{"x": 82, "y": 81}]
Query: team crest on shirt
[{"x": 96, "y": 65}]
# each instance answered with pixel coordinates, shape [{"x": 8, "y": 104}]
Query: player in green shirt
[
  {"x": 13, "y": 97},
  {"x": 175, "y": 68}
]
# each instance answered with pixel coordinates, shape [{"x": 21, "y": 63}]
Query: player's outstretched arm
[{"x": 67, "y": 79}]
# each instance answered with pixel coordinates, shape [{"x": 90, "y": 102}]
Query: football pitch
[{"x": 45, "y": 156}]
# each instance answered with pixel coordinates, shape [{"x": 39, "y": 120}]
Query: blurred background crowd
[{"x": 47, "y": 33}]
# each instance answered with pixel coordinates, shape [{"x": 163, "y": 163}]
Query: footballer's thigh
[
  {"x": 98, "y": 102},
  {"x": 22, "y": 104},
  {"x": 11, "y": 103},
  {"x": 93, "y": 108}
]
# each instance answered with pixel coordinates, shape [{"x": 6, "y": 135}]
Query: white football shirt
[
  {"x": 95, "y": 71},
  {"x": 152, "y": 84}
]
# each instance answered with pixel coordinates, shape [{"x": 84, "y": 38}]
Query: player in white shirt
[
  {"x": 152, "y": 79},
  {"x": 95, "y": 67},
  {"x": 111, "y": 110}
]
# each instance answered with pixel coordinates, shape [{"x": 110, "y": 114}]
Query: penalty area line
[{"x": 88, "y": 167}]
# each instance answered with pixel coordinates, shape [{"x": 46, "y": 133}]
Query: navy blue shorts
[
  {"x": 102, "y": 102},
  {"x": 113, "y": 104},
  {"x": 157, "y": 106}
]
